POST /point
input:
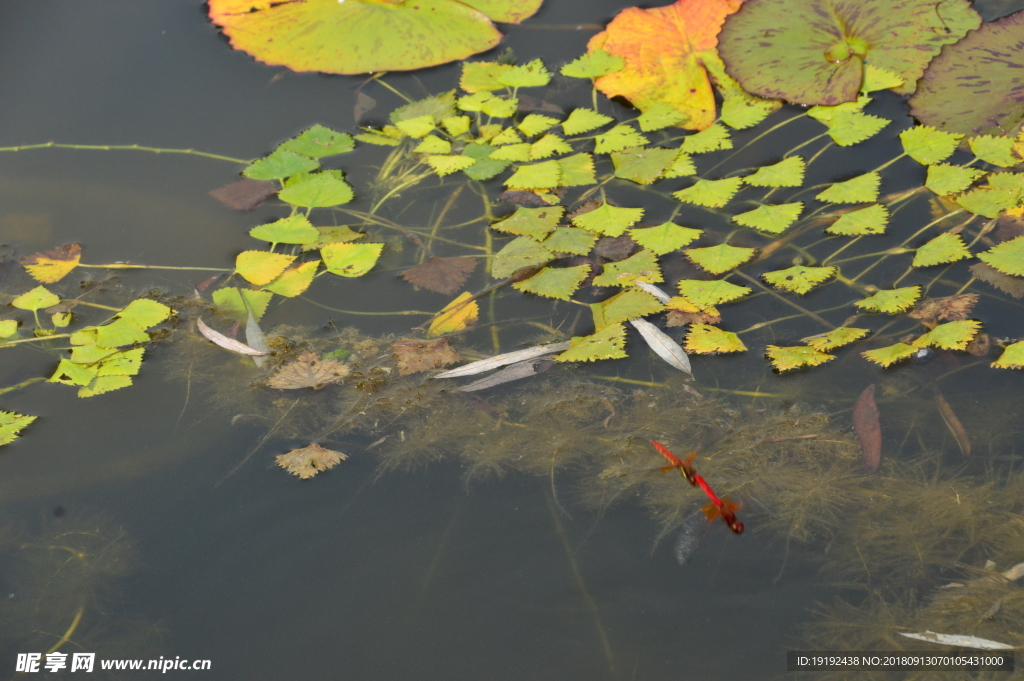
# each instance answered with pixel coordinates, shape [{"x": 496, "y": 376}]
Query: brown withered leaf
[
  {"x": 680, "y": 318},
  {"x": 422, "y": 355},
  {"x": 308, "y": 370},
  {"x": 441, "y": 275},
  {"x": 531, "y": 199},
  {"x": 528, "y": 103},
  {"x": 583, "y": 209},
  {"x": 980, "y": 345},
  {"x": 1009, "y": 226},
  {"x": 868, "y": 428},
  {"x": 1004, "y": 282},
  {"x": 952, "y": 422},
  {"x": 245, "y": 194},
  {"x": 364, "y": 105},
  {"x": 51, "y": 266},
  {"x": 309, "y": 460},
  {"x": 616, "y": 248},
  {"x": 948, "y": 308}
]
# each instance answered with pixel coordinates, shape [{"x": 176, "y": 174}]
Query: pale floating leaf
[
  {"x": 608, "y": 220},
  {"x": 497, "y": 361},
  {"x": 543, "y": 175},
  {"x": 519, "y": 253},
  {"x": 659, "y": 116},
  {"x": 663, "y": 345},
  {"x": 416, "y": 355},
  {"x": 227, "y": 343},
  {"x": 630, "y": 304},
  {"x": 958, "y": 640},
  {"x": 309, "y": 460}
]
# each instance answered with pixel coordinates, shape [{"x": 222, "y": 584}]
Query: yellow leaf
[
  {"x": 705, "y": 339},
  {"x": 51, "y": 266},
  {"x": 261, "y": 267},
  {"x": 455, "y": 316},
  {"x": 294, "y": 280}
]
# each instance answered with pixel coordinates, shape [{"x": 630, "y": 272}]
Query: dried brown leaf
[
  {"x": 309, "y": 460},
  {"x": 869, "y": 430},
  {"x": 948, "y": 308},
  {"x": 415, "y": 355},
  {"x": 528, "y": 103},
  {"x": 1009, "y": 226},
  {"x": 952, "y": 422},
  {"x": 980, "y": 345},
  {"x": 680, "y": 318},
  {"x": 308, "y": 370},
  {"x": 529, "y": 199},
  {"x": 616, "y": 248},
  {"x": 1004, "y": 282},
  {"x": 364, "y": 105},
  {"x": 51, "y": 266},
  {"x": 245, "y": 194},
  {"x": 441, "y": 275},
  {"x": 583, "y": 209}
]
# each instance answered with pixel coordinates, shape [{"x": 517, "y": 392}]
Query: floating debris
[
  {"x": 959, "y": 640},
  {"x": 868, "y": 429}
]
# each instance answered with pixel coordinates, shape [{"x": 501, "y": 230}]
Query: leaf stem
[{"x": 125, "y": 147}]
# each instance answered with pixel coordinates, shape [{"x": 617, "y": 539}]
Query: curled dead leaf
[
  {"x": 51, "y": 266},
  {"x": 948, "y": 308},
  {"x": 869, "y": 430},
  {"x": 225, "y": 342},
  {"x": 310, "y": 460},
  {"x": 245, "y": 194},
  {"x": 441, "y": 275},
  {"x": 308, "y": 370},
  {"x": 422, "y": 355},
  {"x": 680, "y": 318}
]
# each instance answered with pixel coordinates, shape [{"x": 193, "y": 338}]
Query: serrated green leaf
[
  {"x": 517, "y": 254},
  {"x": 1007, "y": 257},
  {"x": 825, "y": 114},
  {"x": 11, "y": 423},
  {"x": 950, "y": 336},
  {"x": 989, "y": 202},
  {"x": 584, "y": 120},
  {"x": 740, "y": 112},
  {"x": 280, "y": 164},
  {"x": 788, "y": 359},
  {"x": 570, "y": 240},
  {"x": 261, "y": 267},
  {"x": 711, "y": 138},
  {"x": 994, "y": 149},
  {"x": 665, "y": 237},
  {"x": 629, "y": 304},
  {"x": 295, "y": 280},
  {"x": 1012, "y": 357},
  {"x": 606, "y": 343},
  {"x": 319, "y": 141},
  {"x": 475, "y": 102},
  {"x": 609, "y": 220},
  {"x": 704, "y": 339},
  {"x": 350, "y": 260},
  {"x": 145, "y": 313},
  {"x": 229, "y": 303},
  {"x": 620, "y": 137},
  {"x": 594, "y": 65},
  {"x": 707, "y": 294},
  {"x": 295, "y": 229},
  {"x": 500, "y": 107},
  {"x": 771, "y": 219},
  {"x": 124, "y": 363},
  {"x": 457, "y": 125},
  {"x": 876, "y": 78},
  {"x": 118, "y": 333},
  {"x": 485, "y": 168},
  {"x": 482, "y": 76},
  {"x": 643, "y": 165},
  {"x": 836, "y": 338},
  {"x": 446, "y": 165},
  {"x": 942, "y": 249},
  {"x": 926, "y": 145},
  {"x": 659, "y": 116},
  {"x": 507, "y": 136},
  {"x": 682, "y": 166},
  {"x": 788, "y": 172},
  {"x": 436, "y": 106},
  {"x": 642, "y": 265},
  {"x": 378, "y": 139},
  {"x": 104, "y": 384},
  {"x": 548, "y": 145},
  {"x": 535, "y": 222},
  {"x": 512, "y": 152},
  {"x": 890, "y": 354},
  {"x": 531, "y": 74},
  {"x": 861, "y": 222},
  {"x": 577, "y": 170},
  {"x": 800, "y": 279},
  {"x": 945, "y": 179},
  {"x": 893, "y": 301},
  {"x": 543, "y": 175},
  {"x": 432, "y": 144},
  {"x": 318, "y": 190},
  {"x": 71, "y": 373},
  {"x": 852, "y": 127},
  {"x": 552, "y": 282},
  {"x": 720, "y": 258},
  {"x": 534, "y": 124},
  {"x": 36, "y": 299},
  {"x": 710, "y": 193},
  {"x": 1005, "y": 180},
  {"x": 860, "y": 189},
  {"x": 417, "y": 127}
]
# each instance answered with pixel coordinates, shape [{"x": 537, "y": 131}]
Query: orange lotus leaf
[{"x": 665, "y": 49}]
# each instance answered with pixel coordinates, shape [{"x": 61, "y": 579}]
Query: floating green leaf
[
  {"x": 10, "y": 425},
  {"x": 620, "y": 137},
  {"x": 280, "y": 164},
  {"x": 446, "y": 165},
  {"x": 712, "y": 138},
  {"x": 643, "y": 165},
  {"x": 788, "y": 172},
  {"x": 606, "y": 343},
  {"x": 457, "y": 125},
  {"x": 418, "y": 126},
  {"x": 145, "y": 313},
  {"x": 642, "y": 266},
  {"x": 942, "y": 249},
  {"x": 879, "y": 79},
  {"x": 485, "y": 168},
  {"x": 608, "y": 219},
  {"x": 548, "y": 145},
  {"x": 512, "y": 152},
  {"x": 890, "y": 354},
  {"x": 813, "y": 52},
  {"x": 743, "y": 111},
  {"x": 432, "y": 144},
  {"x": 36, "y": 299},
  {"x": 710, "y": 193},
  {"x": 870, "y": 220},
  {"x": 825, "y": 114},
  {"x": 291, "y": 230},
  {"x": 926, "y": 145},
  {"x": 682, "y": 166},
  {"x": 295, "y": 280},
  {"x": 989, "y": 202},
  {"x": 800, "y": 279},
  {"x": 630, "y": 304},
  {"x": 553, "y": 282},
  {"x": 704, "y": 339},
  {"x": 994, "y": 149},
  {"x": 836, "y": 338},
  {"x": 570, "y": 240},
  {"x": 318, "y": 190},
  {"x": 500, "y": 107},
  {"x": 860, "y": 189},
  {"x": 535, "y": 222},
  {"x": 891, "y": 302},
  {"x": 1012, "y": 357},
  {"x": 945, "y": 179},
  {"x": 1007, "y": 257},
  {"x": 771, "y": 219},
  {"x": 950, "y": 336},
  {"x": 435, "y": 106},
  {"x": 659, "y": 116},
  {"x": 577, "y": 169},
  {"x": 664, "y": 238},
  {"x": 543, "y": 175},
  {"x": 531, "y": 74},
  {"x": 852, "y": 127},
  {"x": 593, "y": 65},
  {"x": 720, "y": 258},
  {"x": 319, "y": 141},
  {"x": 350, "y": 260},
  {"x": 584, "y": 120},
  {"x": 8, "y": 327},
  {"x": 119, "y": 332},
  {"x": 482, "y": 76},
  {"x": 787, "y": 359},
  {"x": 534, "y": 124},
  {"x": 706, "y": 294},
  {"x": 517, "y": 254},
  {"x": 229, "y": 303},
  {"x": 507, "y": 136},
  {"x": 261, "y": 267},
  {"x": 1006, "y": 180}
]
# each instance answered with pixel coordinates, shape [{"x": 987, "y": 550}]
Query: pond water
[{"x": 152, "y": 521}]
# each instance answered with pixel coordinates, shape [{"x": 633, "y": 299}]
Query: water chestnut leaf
[
  {"x": 740, "y": 112},
  {"x": 994, "y": 149},
  {"x": 441, "y": 275},
  {"x": 535, "y": 222},
  {"x": 475, "y": 102},
  {"x": 457, "y": 125},
  {"x": 944, "y": 179},
  {"x": 534, "y": 124},
  {"x": 642, "y": 265},
  {"x": 482, "y": 77},
  {"x": 295, "y": 280},
  {"x": 432, "y": 144},
  {"x": 788, "y": 359},
  {"x": 145, "y": 313},
  {"x": 771, "y": 219},
  {"x": 8, "y": 327},
  {"x": 682, "y": 167},
  {"x": 860, "y": 189},
  {"x": 836, "y": 338},
  {"x": 720, "y": 258},
  {"x": 417, "y": 127},
  {"x": 665, "y": 237},
  {"x": 318, "y": 190},
  {"x": 570, "y": 240},
  {"x": 894, "y": 301},
  {"x": 295, "y": 229},
  {"x": 577, "y": 170},
  {"x": 485, "y": 168},
  {"x": 890, "y": 354},
  {"x": 229, "y": 303},
  {"x": 825, "y": 114},
  {"x": 643, "y": 165},
  {"x": 308, "y": 370},
  {"x": 800, "y": 279},
  {"x": 606, "y": 343},
  {"x": 500, "y": 107},
  {"x": 71, "y": 373},
  {"x": 876, "y": 78},
  {"x": 332, "y": 235},
  {"x": 704, "y": 339},
  {"x": 861, "y": 222},
  {"x": 507, "y": 136},
  {"x": 950, "y": 336},
  {"x": 446, "y": 165},
  {"x": 710, "y": 193},
  {"x": 944, "y": 248},
  {"x": 659, "y": 116},
  {"x": 531, "y": 74},
  {"x": 517, "y": 254},
  {"x": 350, "y": 260},
  {"x": 512, "y": 152},
  {"x": 926, "y": 145},
  {"x": 548, "y": 145},
  {"x": 1006, "y": 181},
  {"x": 584, "y": 120},
  {"x": 261, "y": 267},
  {"x": 10, "y": 425},
  {"x": 620, "y": 137},
  {"x": 104, "y": 384},
  {"x": 50, "y": 267},
  {"x": 1012, "y": 358},
  {"x": 455, "y": 316},
  {"x": 319, "y": 141},
  {"x": 123, "y": 363},
  {"x": 36, "y": 299},
  {"x": 609, "y": 220},
  {"x": 309, "y": 460},
  {"x": 1007, "y": 257},
  {"x": 374, "y": 137},
  {"x": 118, "y": 333},
  {"x": 788, "y": 172},
  {"x": 593, "y": 64},
  {"x": 854, "y": 127},
  {"x": 543, "y": 175},
  {"x": 552, "y": 282},
  {"x": 705, "y": 295},
  {"x": 712, "y": 138},
  {"x": 989, "y": 202},
  {"x": 280, "y": 164}
]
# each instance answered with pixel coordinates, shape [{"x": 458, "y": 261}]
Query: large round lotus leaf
[
  {"x": 976, "y": 85},
  {"x": 358, "y": 36},
  {"x": 814, "y": 51},
  {"x": 506, "y": 11}
]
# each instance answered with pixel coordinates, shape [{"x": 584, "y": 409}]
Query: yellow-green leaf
[
  {"x": 534, "y": 124},
  {"x": 682, "y": 167},
  {"x": 318, "y": 190},
  {"x": 860, "y": 189},
  {"x": 950, "y": 336},
  {"x": 535, "y": 222},
  {"x": 710, "y": 193},
  {"x": 706, "y": 294},
  {"x": 8, "y": 327},
  {"x": 606, "y": 343},
  {"x": 771, "y": 219},
  {"x": 577, "y": 169},
  {"x": 119, "y": 332},
  {"x": 553, "y": 282},
  {"x": 890, "y": 354},
  {"x": 861, "y": 222},
  {"x": 517, "y": 254},
  {"x": 659, "y": 116},
  {"x": 418, "y": 126},
  {"x": 836, "y": 338},
  {"x": 291, "y": 230},
  {"x": 664, "y": 238},
  {"x": 10, "y": 425},
  {"x": 989, "y": 202},
  {"x": 620, "y": 137},
  {"x": 629, "y": 304},
  {"x": 942, "y": 249},
  {"x": 643, "y": 165},
  {"x": 229, "y": 302},
  {"x": 455, "y": 316},
  {"x": 945, "y": 179},
  {"x": 704, "y": 339},
  {"x": 36, "y": 299},
  {"x": 280, "y": 164},
  {"x": 261, "y": 267},
  {"x": 593, "y": 65},
  {"x": 512, "y": 152},
  {"x": 712, "y": 138},
  {"x": 350, "y": 260},
  {"x": 788, "y": 172},
  {"x": 787, "y": 359},
  {"x": 433, "y": 144},
  {"x": 926, "y": 145},
  {"x": 994, "y": 149},
  {"x": 543, "y": 175},
  {"x": 584, "y": 120},
  {"x": 145, "y": 313},
  {"x": 294, "y": 280},
  {"x": 891, "y": 302},
  {"x": 1007, "y": 257},
  {"x": 531, "y": 74},
  {"x": 852, "y": 127},
  {"x": 608, "y": 219},
  {"x": 1012, "y": 357},
  {"x": 720, "y": 258},
  {"x": 642, "y": 265},
  {"x": 446, "y": 165},
  {"x": 548, "y": 145},
  {"x": 457, "y": 125},
  {"x": 800, "y": 279},
  {"x": 570, "y": 240}
]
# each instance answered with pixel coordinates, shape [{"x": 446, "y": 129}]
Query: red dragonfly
[{"x": 725, "y": 508}]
